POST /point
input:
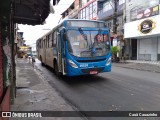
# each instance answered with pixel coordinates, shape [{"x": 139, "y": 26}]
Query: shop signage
[
  {"x": 142, "y": 28},
  {"x": 146, "y": 26},
  {"x": 152, "y": 11}
]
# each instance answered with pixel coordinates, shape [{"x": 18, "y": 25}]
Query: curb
[{"x": 137, "y": 69}]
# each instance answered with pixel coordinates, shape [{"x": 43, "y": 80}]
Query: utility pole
[
  {"x": 115, "y": 28},
  {"x": 80, "y": 3},
  {"x": 115, "y": 17}
]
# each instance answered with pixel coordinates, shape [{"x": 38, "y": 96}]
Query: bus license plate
[{"x": 93, "y": 72}]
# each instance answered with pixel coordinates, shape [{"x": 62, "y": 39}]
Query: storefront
[
  {"x": 11, "y": 12},
  {"x": 143, "y": 37}
]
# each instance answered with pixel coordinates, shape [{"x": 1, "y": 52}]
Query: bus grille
[
  {"x": 91, "y": 60},
  {"x": 87, "y": 71}
]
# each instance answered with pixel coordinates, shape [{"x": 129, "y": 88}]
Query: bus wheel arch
[
  {"x": 56, "y": 68},
  {"x": 41, "y": 61}
]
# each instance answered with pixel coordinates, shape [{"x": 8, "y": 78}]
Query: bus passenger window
[
  {"x": 42, "y": 43},
  {"x": 55, "y": 39},
  {"x": 50, "y": 40}
]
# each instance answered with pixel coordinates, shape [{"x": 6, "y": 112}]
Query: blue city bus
[{"x": 76, "y": 47}]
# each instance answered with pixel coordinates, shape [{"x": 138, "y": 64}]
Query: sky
[{"x": 32, "y": 33}]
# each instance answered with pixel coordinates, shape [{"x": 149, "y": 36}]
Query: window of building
[
  {"x": 94, "y": 9},
  {"x": 87, "y": 13},
  {"x": 84, "y": 13},
  {"x": 121, "y": 2},
  {"x": 120, "y": 21},
  {"x": 107, "y": 6},
  {"x": 90, "y": 11}
]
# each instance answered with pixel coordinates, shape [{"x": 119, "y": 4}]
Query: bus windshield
[{"x": 88, "y": 43}]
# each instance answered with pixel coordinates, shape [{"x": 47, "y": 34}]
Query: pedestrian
[
  {"x": 33, "y": 60},
  {"x": 29, "y": 57}
]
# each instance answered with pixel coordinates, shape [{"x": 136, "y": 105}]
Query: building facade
[
  {"x": 89, "y": 10},
  {"x": 72, "y": 11},
  {"x": 142, "y": 29},
  {"x": 110, "y": 11}
]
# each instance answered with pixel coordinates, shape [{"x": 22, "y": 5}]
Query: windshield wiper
[{"x": 82, "y": 33}]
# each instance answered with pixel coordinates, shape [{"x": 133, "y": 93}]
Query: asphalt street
[{"x": 120, "y": 90}]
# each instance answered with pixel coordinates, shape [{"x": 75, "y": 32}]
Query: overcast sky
[{"x": 32, "y": 33}]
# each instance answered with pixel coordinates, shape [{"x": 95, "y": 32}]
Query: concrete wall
[{"x": 1, "y": 69}]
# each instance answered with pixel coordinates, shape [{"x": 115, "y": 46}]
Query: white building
[{"x": 142, "y": 29}]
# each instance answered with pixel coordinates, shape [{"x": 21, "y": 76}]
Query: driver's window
[{"x": 82, "y": 42}]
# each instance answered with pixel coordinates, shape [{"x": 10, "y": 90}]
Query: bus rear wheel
[
  {"x": 41, "y": 61},
  {"x": 56, "y": 69}
]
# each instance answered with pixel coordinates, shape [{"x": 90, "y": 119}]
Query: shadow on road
[{"x": 76, "y": 80}]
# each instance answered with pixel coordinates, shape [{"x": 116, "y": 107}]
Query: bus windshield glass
[{"x": 83, "y": 43}]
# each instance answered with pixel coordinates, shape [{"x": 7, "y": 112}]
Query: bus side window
[
  {"x": 42, "y": 43},
  {"x": 55, "y": 39},
  {"x": 50, "y": 40},
  {"x": 39, "y": 44},
  {"x": 47, "y": 41}
]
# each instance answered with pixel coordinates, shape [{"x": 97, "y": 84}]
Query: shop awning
[{"x": 31, "y": 12}]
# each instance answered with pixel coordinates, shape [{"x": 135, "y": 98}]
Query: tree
[{"x": 115, "y": 50}]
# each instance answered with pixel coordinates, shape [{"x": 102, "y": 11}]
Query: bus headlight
[
  {"x": 72, "y": 64},
  {"x": 109, "y": 61}
]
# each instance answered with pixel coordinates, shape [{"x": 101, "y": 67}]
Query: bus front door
[{"x": 59, "y": 47}]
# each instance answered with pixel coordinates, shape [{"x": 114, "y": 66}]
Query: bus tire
[
  {"x": 41, "y": 61},
  {"x": 56, "y": 71}
]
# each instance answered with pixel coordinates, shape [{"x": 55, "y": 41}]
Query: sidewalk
[
  {"x": 35, "y": 94},
  {"x": 151, "y": 66}
]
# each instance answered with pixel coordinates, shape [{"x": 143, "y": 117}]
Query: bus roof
[
  {"x": 64, "y": 21},
  {"x": 82, "y": 20}
]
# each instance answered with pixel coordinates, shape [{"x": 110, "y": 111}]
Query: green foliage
[{"x": 115, "y": 49}]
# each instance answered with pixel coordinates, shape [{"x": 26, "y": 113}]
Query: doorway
[{"x": 134, "y": 49}]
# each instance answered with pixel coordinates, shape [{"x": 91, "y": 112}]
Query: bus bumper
[{"x": 86, "y": 71}]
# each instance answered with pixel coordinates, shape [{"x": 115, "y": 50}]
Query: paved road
[{"x": 121, "y": 90}]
